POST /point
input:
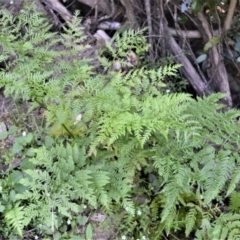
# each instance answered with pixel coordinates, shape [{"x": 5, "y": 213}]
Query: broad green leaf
[
  {"x": 12, "y": 195},
  {"x": 3, "y": 135},
  {"x": 12, "y": 129},
  {"x": 75, "y": 237},
  {"x": 28, "y": 138},
  {"x": 2, "y": 208},
  {"x": 89, "y": 232},
  {"x": 57, "y": 236},
  {"x": 19, "y": 188},
  {"x": 82, "y": 220},
  {"x": 16, "y": 176},
  {"x": 30, "y": 152},
  {"x": 17, "y": 147},
  {"x": 49, "y": 141}
]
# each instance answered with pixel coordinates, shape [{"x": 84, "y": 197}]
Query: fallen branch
[
  {"x": 217, "y": 70},
  {"x": 200, "y": 86}
]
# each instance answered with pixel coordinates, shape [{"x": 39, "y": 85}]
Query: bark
[
  {"x": 217, "y": 73},
  {"x": 58, "y": 7},
  {"x": 200, "y": 85},
  {"x": 102, "y": 5},
  {"x": 131, "y": 17}
]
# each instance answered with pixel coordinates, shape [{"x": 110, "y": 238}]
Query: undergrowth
[{"x": 158, "y": 164}]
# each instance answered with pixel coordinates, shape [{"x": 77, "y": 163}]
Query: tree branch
[
  {"x": 230, "y": 13},
  {"x": 188, "y": 70},
  {"x": 217, "y": 70}
]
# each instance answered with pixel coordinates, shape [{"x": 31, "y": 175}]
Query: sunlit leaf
[{"x": 215, "y": 40}]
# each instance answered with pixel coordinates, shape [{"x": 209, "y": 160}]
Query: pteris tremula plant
[{"x": 117, "y": 124}]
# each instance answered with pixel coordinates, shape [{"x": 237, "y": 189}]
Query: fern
[
  {"x": 226, "y": 227},
  {"x": 234, "y": 202},
  {"x": 190, "y": 219},
  {"x": 113, "y": 127},
  {"x": 58, "y": 185},
  {"x": 15, "y": 217},
  {"x": 191, "y": 169}
]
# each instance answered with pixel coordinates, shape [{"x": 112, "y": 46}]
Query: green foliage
[
  {"x": 234, "y": 202},
  {"x": 227, "y": 227},
  {"x": 114, "y": 141},
  {"x": 54, "y": 191},
  {"x": 14, "y": 217}
]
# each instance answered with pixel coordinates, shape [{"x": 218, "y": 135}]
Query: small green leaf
[
  {"x": 75, "y": 237},
  {"x": 2, "y": 208},
  {"x": 13, "y": 129},
  {"x": 19, "y": 188},
  {"x": 28, "y": 138},
  {"x": 49, "y": 141},
  {"x": 89, "y": 232},
  {"x": 30, "y": 152},
  {"x": 26, "y": 164},
  {"x": 17, "y": 147},
  {"x": 57, "y": 236},
  {"x": 213, "y": 41},
  {"x": 207, "y": 46},
  {"x": 82, "y": 220},
  {"x": 63, "y": 228},
  {"x": 3, "y": 135},
  {"x": 13, "y": 195}
]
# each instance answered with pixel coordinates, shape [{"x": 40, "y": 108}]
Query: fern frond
[
  {"x": 234, "y": 202},
  {"x": 190, "y": 220},
  {"x": 14, "y": 218},
  {"x": 227, "y": 227}
]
